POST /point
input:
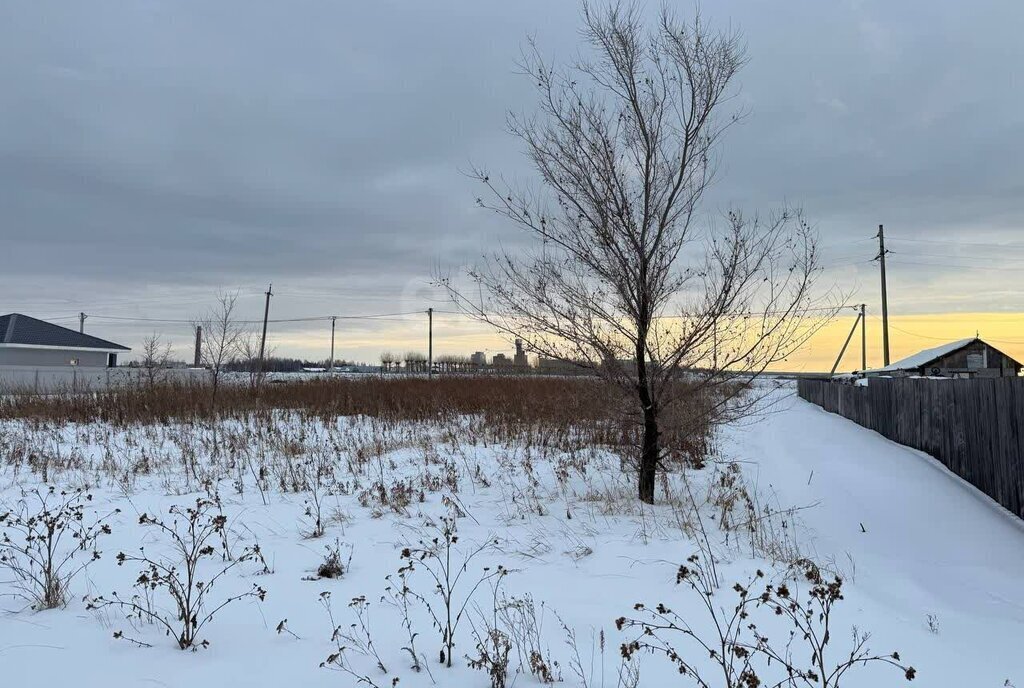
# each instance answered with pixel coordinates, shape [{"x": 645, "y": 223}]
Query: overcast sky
[{"x": 154, "y": 151}]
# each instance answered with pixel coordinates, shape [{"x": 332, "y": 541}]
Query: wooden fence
[{"x": 974, "y": 427}]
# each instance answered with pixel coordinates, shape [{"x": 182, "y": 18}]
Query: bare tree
[
  {"x": 248, "y": 350},
  {"x": 155, "y": 357},
  {"x": 415, "y": 362},
  {"x": 223, "y": 336},
  {"x": 387, "y": 359},
  {"x": 625, "y": 280}
]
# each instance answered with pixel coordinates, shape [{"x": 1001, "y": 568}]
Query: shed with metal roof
[{"x": 963, "y": 358}]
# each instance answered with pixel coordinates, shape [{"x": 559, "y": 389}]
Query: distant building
[
  {"x": 555, "y": 366},
  {"x": 500, "y": 361},
  {"x": 27, "y": 341},
  {"x": 478, "y": 359},
  {"x": 962, "y": 358},
  {"x": 520, "y": 359}
]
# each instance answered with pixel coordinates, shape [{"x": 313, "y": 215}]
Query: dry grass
[
  {"x": 395, "y": 398},
  {"x": 550, "y": 411}
]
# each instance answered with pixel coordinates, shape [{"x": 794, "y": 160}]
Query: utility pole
[
  {"x": 198, "y": 361},
  {"x": 885, "y": 300},
  {"x": 863, "y": 339},
  {"x": 330, "y": 367},
  {"x": 842, "y": 351},
  {"x": 430, "y": 343},
  {"x": 81, "y": 322},
  {"x": 266, "y": 314}
]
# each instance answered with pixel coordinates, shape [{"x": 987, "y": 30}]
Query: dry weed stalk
[
  {"x": 46, "y": 540},
  {"x": 734, "y": 653},
  {"x": 195, "y": 534},
  {"x": 444, "y": 565}
]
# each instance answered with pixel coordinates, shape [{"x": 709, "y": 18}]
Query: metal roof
[
  {"x": 923, "y": 358},
  {"x": 16, "y": 328}
]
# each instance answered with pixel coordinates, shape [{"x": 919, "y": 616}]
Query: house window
[{"x": 975, "y": 361}]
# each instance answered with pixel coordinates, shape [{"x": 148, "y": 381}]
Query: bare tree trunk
[
  {"x": 650, "y": 451},
  {"x": 650, "y": 448}
]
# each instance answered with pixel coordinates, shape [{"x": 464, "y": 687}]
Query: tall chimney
[{"x": 199, "y": 346}]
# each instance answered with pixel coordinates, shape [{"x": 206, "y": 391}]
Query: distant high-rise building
[
  {"x": 520, "y": 357},
  {"x": 500, "y": 360},
  {"x": 478, "y": 359}
]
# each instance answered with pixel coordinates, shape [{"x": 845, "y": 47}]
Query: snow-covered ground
[{"x": 931, "y": 567}]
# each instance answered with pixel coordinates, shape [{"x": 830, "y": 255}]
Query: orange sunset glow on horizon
[{"x": 908, "y": 334}]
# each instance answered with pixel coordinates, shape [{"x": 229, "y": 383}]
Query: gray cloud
[{"x": 151, "y": 152}]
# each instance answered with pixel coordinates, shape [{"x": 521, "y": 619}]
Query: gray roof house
[
  {"x": 27, "y": 341},
  {"x": 963, "y": 358}
]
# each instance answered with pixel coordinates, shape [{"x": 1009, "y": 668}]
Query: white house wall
[
  {"x": 47, "y": 379},
  {"x": 24, "y": 356}
]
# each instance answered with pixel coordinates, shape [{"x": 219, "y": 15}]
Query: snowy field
[{"x": 930, "y": 568}]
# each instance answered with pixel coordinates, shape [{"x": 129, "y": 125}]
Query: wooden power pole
[
  {"x": 81, "y": 322},
  {"x": 430, "y": 343},
  {"x": 330, "y": 366},
  {"x": 859, "y": 319},
  {"x": 863, "y": 338},
  {"x": 885, "y": 299},
  {"x": 266, "y": 314}
]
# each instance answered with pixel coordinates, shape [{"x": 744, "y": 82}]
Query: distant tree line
[{"x": 280, "y": 364}]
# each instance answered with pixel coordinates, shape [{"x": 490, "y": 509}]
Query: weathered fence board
[{"x": 974, "y": 427}]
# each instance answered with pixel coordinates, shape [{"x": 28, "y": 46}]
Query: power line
[
  {"x": 912, "y": 334},
  {"x": 936, "y": 339},
  {"x": 60, "y": 317},
  {"x": 863, "y": 261},
  {"x": 1000, "y": 259},
  {"x": 315, "y": 318},
  {"x": 381, "y": 315},
  {"x": 900, "y": 261},
  {"x": 189, "y": 322},
  {"x": 846, "y": 242},
  {"x": 946, "y": 339},
  {"x": 953, "y": 242},
  {"x": 796, "y": 311}
]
